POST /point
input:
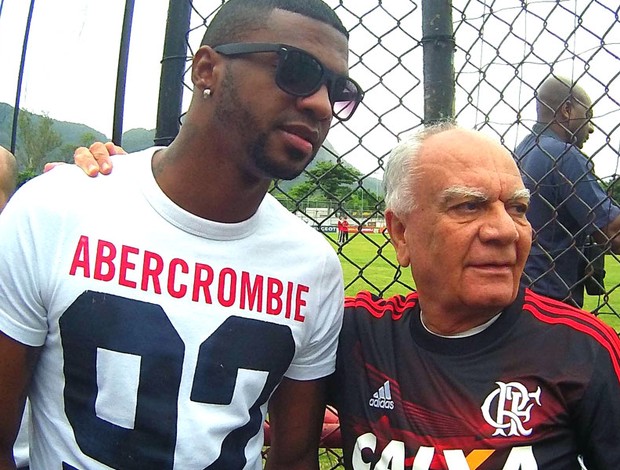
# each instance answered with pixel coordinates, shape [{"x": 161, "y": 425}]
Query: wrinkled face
[
  {"x": 277, "y": 133},
  {"x": 468, "y": 238},
  {"x": 580, "y": 123}
]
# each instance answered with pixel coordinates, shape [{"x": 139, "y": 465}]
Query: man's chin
[
  {"x": 493, "y": 299},
  {"x": 285, "y": 174},
  {"x": 287, "y": 170}
]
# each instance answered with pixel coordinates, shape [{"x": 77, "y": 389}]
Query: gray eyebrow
[
  {"x": 523, "y": 193},
  {"x": 455, "y": 192}
]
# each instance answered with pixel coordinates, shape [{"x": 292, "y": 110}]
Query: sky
[
  {"x": 72, "y": 58},
  {"x": 73, "y": 48}
]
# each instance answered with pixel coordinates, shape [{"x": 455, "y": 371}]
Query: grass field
[{"x": 369, "y": 263}]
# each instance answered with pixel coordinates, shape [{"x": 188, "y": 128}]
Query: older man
[
  {"x": 471, "y": 371},
  {"x": 156, "y": 335}
]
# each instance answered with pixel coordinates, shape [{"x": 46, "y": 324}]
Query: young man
[
  {"x": 568, "y": 204},
  {"x": 159, "y": 331},
  {"x": 471, "y": 371}
]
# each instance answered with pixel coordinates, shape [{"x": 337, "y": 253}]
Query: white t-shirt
[
  {"x": 20, "y": 449},
  {"x": 162, "y": 334}
]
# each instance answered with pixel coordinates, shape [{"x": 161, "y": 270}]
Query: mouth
[
  {"x": 493, "y": 266},
  {"x": 302, "y": 138}
]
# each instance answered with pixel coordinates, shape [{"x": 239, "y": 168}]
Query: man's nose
[
  {"x": 499, "y": 225},
  {"x": 318, "y": 103}
]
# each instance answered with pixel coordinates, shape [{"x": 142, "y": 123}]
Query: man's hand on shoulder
[{"x": 94, "y": 159}]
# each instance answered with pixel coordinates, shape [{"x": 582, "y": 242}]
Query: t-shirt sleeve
[
  {"x": 317, "y": 358},
  {"x": 22, "y": 315}
]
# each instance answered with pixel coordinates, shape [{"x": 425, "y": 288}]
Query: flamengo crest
[{"x": 508, "y": 409}]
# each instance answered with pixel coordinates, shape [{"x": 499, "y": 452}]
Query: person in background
[
  {"x": 568, "y": 205},
  {"x": 343, "y": 230},
  {"x": 472, "y": 370},
  {"x": 159, "y": 334},
  {"x": 8, "y": 176}
]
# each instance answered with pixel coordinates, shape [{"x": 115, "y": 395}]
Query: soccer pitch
[{"x": 369, "y": 263}]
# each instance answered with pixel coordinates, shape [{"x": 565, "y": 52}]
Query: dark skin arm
[
  {"x": 17, "y": 362},
  {"x": 611, "y": 235},
  {"x": 296, "y": 412}
]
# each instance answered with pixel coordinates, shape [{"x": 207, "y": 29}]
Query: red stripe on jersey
[
  {"x": 378, "y": 307},
  {"x": 554, "y": 312}
]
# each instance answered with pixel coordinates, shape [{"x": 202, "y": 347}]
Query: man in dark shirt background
[{"x": 568, "y": 205}]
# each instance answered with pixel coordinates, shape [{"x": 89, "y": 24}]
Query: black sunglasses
[{"x": 300, "y": 74}]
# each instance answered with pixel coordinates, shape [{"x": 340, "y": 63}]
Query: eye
[
  {"x": 518, "y": 209},
  {"x": 467, "y": 207}
]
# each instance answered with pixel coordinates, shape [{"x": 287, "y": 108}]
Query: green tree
[
  {"x": 326, "y": 181},
  {"x": 24, "y": 176},
  {"x": 364, "y": 201},
  {"x": 38, "y": 139}
]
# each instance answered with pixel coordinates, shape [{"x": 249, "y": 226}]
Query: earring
[{"x": 206, "y": 93}]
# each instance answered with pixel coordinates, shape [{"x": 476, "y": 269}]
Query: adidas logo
[{"x": 382, "y": 398}]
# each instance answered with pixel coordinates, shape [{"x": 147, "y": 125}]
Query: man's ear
[
  {"x": 396, "y": 230},
  {"x": 203, "y": 67},
  {"x": 566, "y": 110}
]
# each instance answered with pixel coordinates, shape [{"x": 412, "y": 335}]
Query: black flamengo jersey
[{"x": 537, "y": 388}]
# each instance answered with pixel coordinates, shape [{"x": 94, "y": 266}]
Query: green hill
[{"x": 72, "y": 135}]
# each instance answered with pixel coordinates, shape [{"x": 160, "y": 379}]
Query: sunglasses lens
[
  {"x": 346, "y": 97},
  {"x": 299, "y": 73}
]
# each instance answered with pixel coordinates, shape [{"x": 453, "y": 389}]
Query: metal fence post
[
  {"x": 438, "y": 48},
  {"x": 20, "y": 79},
  {"x": 121, "y": 76},
  {"x": 172, "y": 70}
]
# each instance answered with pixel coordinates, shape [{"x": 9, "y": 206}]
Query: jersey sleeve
[
  {"x": 598, "y": 416},
  {"x": 317, "y": 358}
]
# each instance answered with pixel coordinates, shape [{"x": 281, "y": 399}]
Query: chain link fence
[
  {"x": 499, "y": 51},
  {"x": 502, "y": 52},
  {"x": 482, "y": 62}
]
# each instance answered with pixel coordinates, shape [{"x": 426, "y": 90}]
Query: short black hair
[{"x": 236, "y": 18}]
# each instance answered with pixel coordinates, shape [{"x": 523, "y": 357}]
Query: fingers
[
  {"x": 102, "y": 156},
  {"x": 50, "y": 165},
  {"x": 86, "y": 161},
  {"x": 96, "y": 158},
  {"x": 114, "y": 149}
]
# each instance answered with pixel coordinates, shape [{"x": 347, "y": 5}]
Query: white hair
[{"x": 400, "y": 174}]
